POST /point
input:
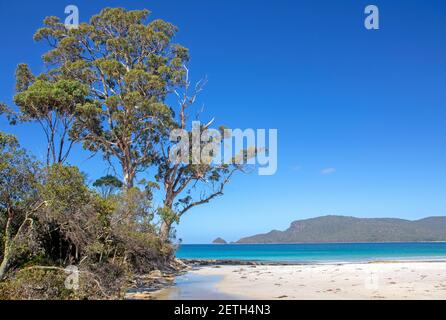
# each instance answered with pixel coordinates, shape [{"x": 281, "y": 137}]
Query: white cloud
[{"x": 327, "y": 171}]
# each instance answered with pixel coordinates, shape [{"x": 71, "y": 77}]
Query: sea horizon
[
  {"x": 317, "y": 252},
  {"x": 334, "y": 242}
]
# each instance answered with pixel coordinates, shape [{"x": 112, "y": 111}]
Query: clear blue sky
[{"x": 370, "y": 104}]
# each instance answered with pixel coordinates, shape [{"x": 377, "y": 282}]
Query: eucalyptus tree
[{"x": 130, "y": 65}]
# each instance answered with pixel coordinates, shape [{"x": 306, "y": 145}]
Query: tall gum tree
[{"x": 130, "y": 66}]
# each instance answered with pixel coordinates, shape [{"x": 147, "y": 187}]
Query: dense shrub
[
  {"x": 107, "y": 238},
  {"x": 107, "y": 282}
]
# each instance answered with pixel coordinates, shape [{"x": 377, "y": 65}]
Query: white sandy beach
[{"x": 380, "y": 280}]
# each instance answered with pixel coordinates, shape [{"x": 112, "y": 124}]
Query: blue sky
[{"x": 370, "y": 106}]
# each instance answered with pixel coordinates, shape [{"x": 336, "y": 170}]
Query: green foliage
[
  {"x": 18, "y": 179},
  {"x": 36, "y": 283},
  {"x": 24, "y": 78},
  {"x": 18, "y": 193},
  {"x": 74, "y": 216},
  {"x": 64, "y": 190},
  {"x": 17, "y": 173},
  {"x": 130, "y": 65},
  {"x": 48, "y": 283},
  {"x": 43, "y": 97},
  {"x": 106, "y": 238},
  {"x": 134, "y": 205},
  {"x": 168, "y": 215},
  {"x": 50, "y": 101}
]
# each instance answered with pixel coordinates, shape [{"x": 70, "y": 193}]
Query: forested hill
[{"x": 351, "y": 229}]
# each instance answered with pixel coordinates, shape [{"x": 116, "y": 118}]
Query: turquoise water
[{"x": 326, "y": 252}]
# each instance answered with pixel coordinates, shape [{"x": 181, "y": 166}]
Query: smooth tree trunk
[
  {"x": 128, "y": 182},
  {"x": 165, "y": 231},
  {"x": 129, "y": 176}
]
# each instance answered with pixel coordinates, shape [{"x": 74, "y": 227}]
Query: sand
[{"x": 380, "y": 280}]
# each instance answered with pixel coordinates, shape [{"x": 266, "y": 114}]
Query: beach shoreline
[
  {"x": 367, "y": 280},
  {"x": 243, "y": 262}
]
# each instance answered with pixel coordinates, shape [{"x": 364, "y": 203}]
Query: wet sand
[{"x": 194, "y": 286}]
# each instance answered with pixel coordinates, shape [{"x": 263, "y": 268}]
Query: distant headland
[{"x": 333, "y": 228}]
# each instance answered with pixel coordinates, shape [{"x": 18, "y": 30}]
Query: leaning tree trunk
[
  {"x": 5, "y": 261},
  {"x": 7, "y": 245}
]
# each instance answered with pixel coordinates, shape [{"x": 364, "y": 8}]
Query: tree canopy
[{"x": 129, "y": 66}]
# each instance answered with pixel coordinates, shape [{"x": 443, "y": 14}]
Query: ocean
[{"x": 318, "y": 253}]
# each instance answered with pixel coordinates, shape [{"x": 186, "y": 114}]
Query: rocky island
[{"x": 219, "y": 241}]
